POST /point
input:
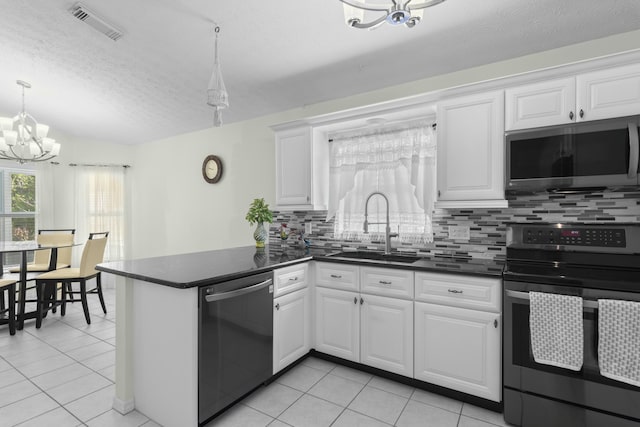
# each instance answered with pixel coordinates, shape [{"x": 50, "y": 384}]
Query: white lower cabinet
[
  {"x": 458, "y": 348},
  {"x": 338, "y": 323},
  {"x": 291, "y": 328},
  {"x": 386, "y": 334}
]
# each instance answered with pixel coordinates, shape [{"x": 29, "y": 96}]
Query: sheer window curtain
[
  {"x": 101, "y": 206},
  {"x": 399, "y": 162}
]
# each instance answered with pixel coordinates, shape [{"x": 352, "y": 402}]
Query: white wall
[{"x": 175, "y": 211}]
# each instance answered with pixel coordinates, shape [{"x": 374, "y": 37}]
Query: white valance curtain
[{"x": 399, "y": 162}]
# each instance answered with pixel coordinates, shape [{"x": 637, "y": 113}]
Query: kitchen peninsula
[{"x": 157, "y": 320}]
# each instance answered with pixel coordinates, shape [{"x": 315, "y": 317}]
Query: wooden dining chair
[
  {"x": 47, "y": 295},
  {"x": 9, "y": 286}
]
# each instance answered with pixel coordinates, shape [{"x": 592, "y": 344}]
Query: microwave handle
[{"x": 633, "y": 150}]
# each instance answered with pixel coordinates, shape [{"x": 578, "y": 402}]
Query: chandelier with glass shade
[
  {"x": 23, "y": 139},
  {"x": 394, "y": 12}
]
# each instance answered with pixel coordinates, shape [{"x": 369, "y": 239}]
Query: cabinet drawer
[
  {"x": 481, "y": 293},
  {"x": 387, "y": 282},
  {"x": 289, "y": 279},
  {"x": 338, "y": 276}
]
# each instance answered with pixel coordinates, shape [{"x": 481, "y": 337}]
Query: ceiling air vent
[{"x": 89, "y": 17}]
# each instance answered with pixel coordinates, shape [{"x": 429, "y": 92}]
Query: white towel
[
  {"x": 557, "y": 331},
  {"x": 619, "y": 341}
]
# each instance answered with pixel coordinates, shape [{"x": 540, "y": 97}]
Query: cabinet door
[
  {"x": 459, "y": 349},
  {"x": 541, "y": 104},
  {"x": 471, "y": 151},
  {"x": 291, "y": 328},
  {"x": 609, "y": 93},
  {"x": 338, "y": 323},
  {"x": 293, "y": 166},
  {"x": 386, "y": 334}
]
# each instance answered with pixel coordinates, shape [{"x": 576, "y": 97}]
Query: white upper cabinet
[
  {"x": 602, "y": 94},
  {"x": 471, "y": 151},
  {"x": 609, "y": 93},
  {"x": 541, "y": 104},
  {"x": 302, "y": 169}
]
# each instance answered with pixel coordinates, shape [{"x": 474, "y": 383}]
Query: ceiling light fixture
[
  {"x": 399, "y": 12},
  {"x": 217, "y": 95},
  {"x": 24, "y": 139}
]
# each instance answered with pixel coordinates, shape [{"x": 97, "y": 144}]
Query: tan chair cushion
[
  {"x": 6, "y": 282},
  {"x": 37, "y": 267}
]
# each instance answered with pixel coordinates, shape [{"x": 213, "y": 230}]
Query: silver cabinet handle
[
  {"x": 277, "y": 306},
  {"x": 634, "y": 149},
  {"x": 336, "y": 276},
  {"x": 355, "y": 300},
  {"x": 571, "y": 115},
  {"x": 455, "y": 291},
  {"x": 495, "y": 323},
  {"x": 581, "y": 113},
  {"x": 361, "y": 301},
  {"x": 238, "y": 292},
  {"x": 384, "y": 282},
  {"x": 293, "y": 279}
]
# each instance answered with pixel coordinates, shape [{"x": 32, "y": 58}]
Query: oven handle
[
  {"x": 238, "y": 292},
  {"x": 634, "y": 150},
  {"x": 525, "y": 296}
]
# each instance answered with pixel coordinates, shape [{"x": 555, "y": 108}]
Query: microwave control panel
[{"x": 580, "y": 236}]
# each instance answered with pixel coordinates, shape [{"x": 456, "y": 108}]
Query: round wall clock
[{"x": 212, "y": 169}]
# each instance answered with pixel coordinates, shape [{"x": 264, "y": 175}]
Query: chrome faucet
[{"x": 387, "y": 234}]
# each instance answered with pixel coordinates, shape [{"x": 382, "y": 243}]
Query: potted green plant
[{"x": 259, "y": 213}]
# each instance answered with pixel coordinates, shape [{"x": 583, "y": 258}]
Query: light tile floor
[
  {"x": 62, "y": 375},
  {"x": 318, "y": 393}
]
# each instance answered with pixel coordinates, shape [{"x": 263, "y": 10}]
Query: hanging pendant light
[
  {"x": 23, "y": 139},
  {"x": 217, "y": 95},
  {"x": 393, "y": 12}
]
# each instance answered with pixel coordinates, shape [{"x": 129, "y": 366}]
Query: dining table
[{"x": 24, "y": 247}]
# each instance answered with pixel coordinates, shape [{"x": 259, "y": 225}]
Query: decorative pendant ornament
[{"x": 217, "y": 95}]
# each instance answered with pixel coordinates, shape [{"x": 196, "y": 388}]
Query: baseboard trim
[{"x": 123, "y": 406}]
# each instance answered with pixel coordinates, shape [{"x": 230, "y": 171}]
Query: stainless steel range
[{"x": 591, "y": 261}]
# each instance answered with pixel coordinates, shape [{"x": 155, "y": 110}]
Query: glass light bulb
[
  {"x": 47, "y": 144},
  {"x": 41, "y": 130},
  {"x": 11, "y": 136},
  {"x": 3, "y": 145},
  {"x": 55, "y": 150},
  {"x": 6, "y": 124}
]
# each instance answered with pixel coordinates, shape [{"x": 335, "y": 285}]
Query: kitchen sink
[{"x": 375, "y": 256}]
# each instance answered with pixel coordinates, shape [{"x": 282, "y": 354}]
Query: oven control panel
[{"x": 579, "y": 236}]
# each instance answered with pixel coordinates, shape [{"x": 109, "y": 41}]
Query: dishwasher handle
[{"x": 238, "y": 292}]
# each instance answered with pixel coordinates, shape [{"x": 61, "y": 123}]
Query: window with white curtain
[
  {"x": 397, "y": 161},
  {"x": 18, "y": 210},
  {"x": 100, "y": 205}
]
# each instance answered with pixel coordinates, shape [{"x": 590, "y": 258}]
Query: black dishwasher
[{"x": 235, "y": 341}]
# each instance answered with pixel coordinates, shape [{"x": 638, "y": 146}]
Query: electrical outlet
[
  {"x": 460, "y": 232},
  {"x": 307, "y": 228}
]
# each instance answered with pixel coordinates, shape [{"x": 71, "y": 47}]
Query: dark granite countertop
[{"x": 210, "y": 267}]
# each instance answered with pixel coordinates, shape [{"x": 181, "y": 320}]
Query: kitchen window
[
  {"x": 18, "y": 213},
  {"x": 398, "y": 161}
]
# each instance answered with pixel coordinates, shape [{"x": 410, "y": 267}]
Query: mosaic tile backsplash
[{"x": 487, "y": 226}]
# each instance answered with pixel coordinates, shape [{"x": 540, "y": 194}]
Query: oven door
[{"x": 585, "y": 397}]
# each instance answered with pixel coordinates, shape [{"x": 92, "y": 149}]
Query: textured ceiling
[{"x": 275, "y": 55}]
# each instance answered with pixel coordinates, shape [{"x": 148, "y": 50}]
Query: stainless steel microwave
[{"x": 586, "y": 156}]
